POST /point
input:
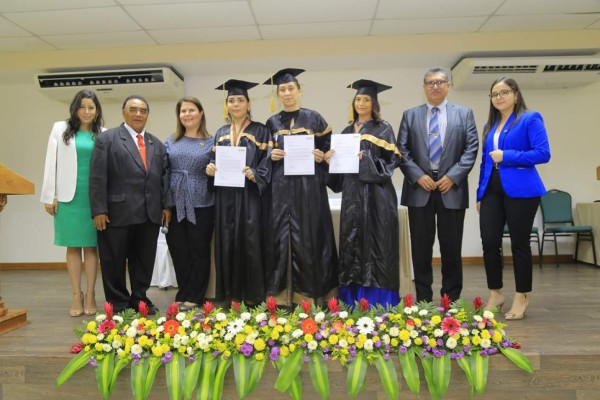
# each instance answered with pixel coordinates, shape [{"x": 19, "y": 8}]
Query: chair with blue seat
[
  {"x": 534, "y": 236},
  {"x": 557, "y": 215}
]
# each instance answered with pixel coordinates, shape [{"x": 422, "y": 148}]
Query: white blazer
[{"x": 60, "y": 171}]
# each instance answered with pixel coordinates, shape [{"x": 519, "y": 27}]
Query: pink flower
[
  {"x": 364, "y": 304},
  {"x": 76, "y": 348},
  {"x": 450, "y": 325},
  {"x": 106, "y": 326},
  {"x": 333, "y": 305},
  {"x": 208, "y": 307},
  {"x": 271, "y": 304},
  {"x": 408, "y": 300},
  {"x": 477, "y": 303},
  {"x": 172, "y": 310},
  {"x": 446, "y": 302},
  {"x": 305, "y": 306},
  {"x": 143, "y": 308},
  {"x": 108, "y": 310},
  {"x": 236, "y": 306}
]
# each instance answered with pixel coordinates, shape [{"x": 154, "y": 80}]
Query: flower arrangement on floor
[{"x": 197, "y": 347}]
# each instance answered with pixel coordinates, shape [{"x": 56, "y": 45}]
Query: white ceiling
[{"x": 30, "y": 25}]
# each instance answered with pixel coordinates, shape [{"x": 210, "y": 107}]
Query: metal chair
[
  {"x": 534, "y": 236},
  {"x": 557, "y": 215}
]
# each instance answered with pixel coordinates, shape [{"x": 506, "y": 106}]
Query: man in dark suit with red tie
[
  {"x": 438, "y": 142},
  {"x": 130, "y": 198}
]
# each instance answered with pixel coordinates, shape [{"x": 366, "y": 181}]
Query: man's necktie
[
  {"x": 435, "y": 141},
  {"x": 142, "y": 149}
]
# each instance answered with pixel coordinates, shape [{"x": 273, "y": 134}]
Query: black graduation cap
[
  {"x": 368, "y": 87},
  {"x": 284, "y": 76},
  {"x": 236, "y": 87}
]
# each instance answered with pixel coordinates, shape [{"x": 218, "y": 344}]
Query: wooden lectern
[
  {"x": 598, "y": 173},
  {"x": 12, "y": 183}
]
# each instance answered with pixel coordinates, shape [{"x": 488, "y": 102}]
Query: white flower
[
  {"x": 117, "y": 344},
  {"x": 186, "y": 323},
  {"x": 451, "y": 343},
  {"x": 385, "y": 339},
  {"x": 136, "y": 349},
  {"x": 228, "y": 336},
  {"x": 285, "y": 339},
  {"x": 220, "y": 317},
  {"x": 100, "y": 336},
  {"x": 203, "y": 344},
  {"x": 100, "y": 317},
  {"x": 160, "y": 329},
  {"x": 475, "y": 332},
  {"x": 378, "y": 319},
  {"x": 394, "y": 331},
  {"x": 281, "y": 321},
  {"x": 463, "y": 332},
  {"x": 297, "y": 333},
  {"x": 251, "y": 338},
  {"x": 413, "y": 334},
  {"x": 302, "y": 315},
  {"x": 414, "y": 308},
  {"x": 319, "y": 317},
  {"x": 343, "y": 343},
  {"x": 343, "y": 314},
  {"x": 453, "y": 311},
  {"x": 180, "y": 316},
  {"x": 235, "y": 326},
  {"x": 189, "y": 351},
  {"x": 481, "y": 325},
  {"x": 365, "y": 325},
  {"x": 477, "y": 318},
  {"x": 368, "y": 346},
  {"x": 118, "y": 319},
  {"x": 324, "y": 333},
  {"x": 120, "y": 353},
  {"x": 408, "y": 310},
  {"x": 438, "y": 333},
  {"x": 160, "y": 321},
  {"x": 245, "y": 316},
  {"x": 488, "y": 315},
  {"x": 486, "y": 343},
  {"x": 106, "y": 347},
  {"x": 260, "y": 317},
  {"x": 185, "y": 340},
  {"x": 407, "y": 343},
  {"x": 312, "y": 345}
]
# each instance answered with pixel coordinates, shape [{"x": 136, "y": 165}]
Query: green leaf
[
  {"x": 139, "y": 371},
  {"x": 104, "y": 372},
  {"x": 290, "y": 369},
  {"x": 154, "y": 364},
  {"x": 190, "y": 376},
  {"x": 479, "y": 369},
  {"x": 408, "y": 364},
  {"x": 319, "y": 374},
  {"x": 205, "y": 384},
  {"x": 174, "y": 373},
  {"x": 222, "y": 366},
  {"x": 427, "y": 363},
  {"x": 241, "y": 372},
  {"x": 122, "y": 363},
  {"x": 517, "y": 358},
  {"x": 76, "y": 363},
  {"x": 388, "y": 376},
  {"x": 357, "y": 370},
  {"x": 256, "y": 371},
  {"x": 465, "y": 364},
  {"x": 295, "y": 388},
  {"x": 441, "y": 369}
]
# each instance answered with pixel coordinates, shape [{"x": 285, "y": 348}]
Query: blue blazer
[{"x": 525, "y": 144}]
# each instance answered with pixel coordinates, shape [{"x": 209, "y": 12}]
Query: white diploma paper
[
  {"x": 299, "y": 158},
  {"x": 230, "y": 162},
  {"x": 345, "y": 159}
]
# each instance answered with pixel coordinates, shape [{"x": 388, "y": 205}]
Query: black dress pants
[
  {"x": 497, "y": 209},
  {"x": 450, "y": 224},
  {"x": 190, "y": 248}
]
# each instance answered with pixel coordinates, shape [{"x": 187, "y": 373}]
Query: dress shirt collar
[{"x": 134, "y": 133}]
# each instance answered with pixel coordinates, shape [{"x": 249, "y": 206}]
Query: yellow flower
[
  {"x": 292, "y": 347},
  {"x": 417, "y": 321},
  {"x": 432, "y": 342},
  {"x": 227, "y": 353},
  {"x": 333, "y": 339},
  {"x": 476, "y": 340},
  {"x": 349, "y": 322},
  {"x": 351, "y": 340},
  {"x": 323, "y": 343},
  {"x": 239, "y": 339},
  {"x": 259, "y": 344},
  {"x": 247, "y": 329},
  {"x": 497, "y": 338},
  {"x": 418, "y": 341},
  {"x": 143, "y": 340},
  {"x": 158, "y": 351},
  {"x": 382, "y": 326},
  {"x": 274, "y": 335},
  {"x": 259, "y": 356},
  {"x": 436, "y": 319},
  {"x": 181, "y": 330},
  {"x": 221, "y": 347},
  {"x": 404, "y": 335},
  {"x": 98, "y": 347},
  {"x": 485, "y": 334},
  {"x": 181, "y": 349},
  {"x": 278, "y": 328},
  {"x": 284, "y": 351},
  {"x": 466, "y": 340},
  {"x": 308, "y": 337},
  {"x": 394, "y": 342},
  {"x": 287, "y": 328}
]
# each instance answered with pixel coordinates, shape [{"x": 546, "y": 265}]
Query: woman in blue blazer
[{"x": 514, "y": 142}]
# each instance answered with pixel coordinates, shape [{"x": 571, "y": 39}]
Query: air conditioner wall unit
[
  {"x": 529, "y": 72},
  {"x": 162, "y": 83}
]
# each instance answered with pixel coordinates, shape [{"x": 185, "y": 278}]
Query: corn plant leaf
[
  {"x": 479, "y": 370},
  {"x": 290, "y": 369},
  {"x": 441, "y": 369},
  {"x": 427, "y": 363},
  {"x": 139, "y": 371},
  {"x": 517, "y": 358},
  {"x": 104, "y": 371},
  {"x": 190, "y": 376},
  {"x": 174, "y": 373},
  {"x": 154, "y": 364},
  {"x": 319, "y": 374},
  {"x": 388, "y": 376},
  {"x": 357, "y": 370},
  {"x": 256, "y": 371},
  {"x": 74, "y": 365},
  {"x": 121, "y": 363},
  {"x": 219, "y": 378},
  {"x": 241, "y": 372},
  {"x": 410, "y": 371},
  {"x": 465, "y": 364},
  {"x": 205, "y": 380}
]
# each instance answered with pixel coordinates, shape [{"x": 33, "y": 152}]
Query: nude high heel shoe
[
  {"x": 495, "y": 300},
  {"x": 90, "y": 304},
  {"x": 518, "y": 308},
  {"x": 77, "y": 305}
]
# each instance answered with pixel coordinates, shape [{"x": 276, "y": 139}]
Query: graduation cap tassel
[
  {"x": 351, "y": 108},
  {"x": 225, "y": 110},
  {"x": 272, "y": 97}
]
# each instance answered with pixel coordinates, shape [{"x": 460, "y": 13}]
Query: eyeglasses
[
  {"x": 432, "y": 84},
  {"x": 501, "y": 94}
]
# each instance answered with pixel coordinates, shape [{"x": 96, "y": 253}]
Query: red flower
[
  {"x": 172, "y": 310},
  {"x": 106, "y": 326},
  {"x": 108, "y": 310},
  {"x": 450, "y": 325},
  {"x": 76, "y": 348},
  {"x": 333, "y": 305},
  {"x": 143, "y": 308},
  {"x": 408, "y": 300},
  {"x": 477, "y": 303},
  {"x": 271, "y": 304},
  {"x": 309, "y": 326},
  {"x": 516, "y": 346},
  {"x": 208, "y": 307},
  {"x": 305, "y": 306},
  {"x": 446, "y": 302},
  {"x": 364, "y": 304},
  {"x": 236, "y": 306},
  {"x": 171, "y": 327}
]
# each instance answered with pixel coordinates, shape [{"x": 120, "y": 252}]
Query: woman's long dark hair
[
  {"x": 375, "y": 111},
  {"x": 73, "y": 123},
  {"x": 494, "y": 115},
  {"x": 180, "y": 130}
]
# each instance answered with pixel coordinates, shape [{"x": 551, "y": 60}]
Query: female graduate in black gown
[
  {"x": 301, "y": 228},
  {"x": 369, "y": 238},
  {"x": 238, "y": 257}
]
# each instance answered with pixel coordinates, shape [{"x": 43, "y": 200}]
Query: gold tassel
[
  {"x": 272, "y": 97},
  {"x": 225, "y": 110},
  {"x": 351, "y": 108}
]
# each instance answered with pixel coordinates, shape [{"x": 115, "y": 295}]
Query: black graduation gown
[
  {"x": 300, "y": 219},
  {"x": 369, "y": 231},
  {"x": 238, "y": 221}
]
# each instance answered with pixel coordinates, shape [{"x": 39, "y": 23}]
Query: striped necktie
[{"x": 435, "y": 140}]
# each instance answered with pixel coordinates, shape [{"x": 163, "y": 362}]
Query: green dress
[{"x": 73, "y": 224}]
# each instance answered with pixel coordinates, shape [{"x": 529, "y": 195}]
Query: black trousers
[
  {"x": 131, "y": 248},
  {"x": 497, "y": 209},
  {"x": 189, "y": 246},
  {"x": 450, "y": 224}
]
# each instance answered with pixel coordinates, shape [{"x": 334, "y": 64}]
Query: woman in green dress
[{"x": 65, "y": 194}]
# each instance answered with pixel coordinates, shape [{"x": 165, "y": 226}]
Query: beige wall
[{"x": 572, "y": 119}]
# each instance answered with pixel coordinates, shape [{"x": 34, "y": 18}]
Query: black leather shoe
[
  {"x": 152, "y": 309},
  {"x": 187, "y": 306}
]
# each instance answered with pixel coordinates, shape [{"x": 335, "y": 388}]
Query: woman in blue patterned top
[{"x": 190, "y": 232}]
